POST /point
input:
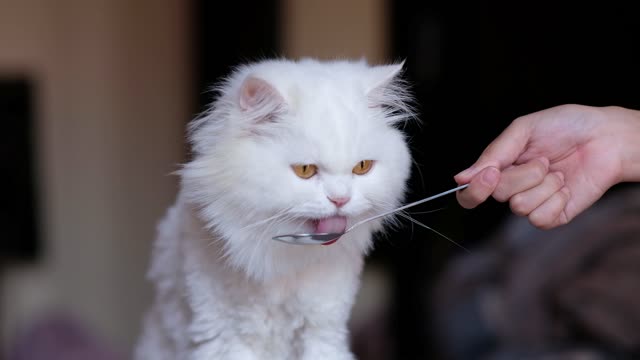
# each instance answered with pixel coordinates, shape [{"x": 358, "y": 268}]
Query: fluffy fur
[{"x": 224, "y": 289}]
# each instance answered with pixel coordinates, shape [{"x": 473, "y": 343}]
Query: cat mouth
[{"x": 332, "y": 224}]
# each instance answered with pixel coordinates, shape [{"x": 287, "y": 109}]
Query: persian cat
[{"x": 286, "y": 147}]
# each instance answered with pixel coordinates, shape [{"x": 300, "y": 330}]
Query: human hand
[{"x": 553, "y": 164}]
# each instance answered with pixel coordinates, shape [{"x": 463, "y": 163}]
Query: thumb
[{"x": 501, "y": 152}]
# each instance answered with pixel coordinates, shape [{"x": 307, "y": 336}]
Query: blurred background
[{"x": 95, "y": 95}]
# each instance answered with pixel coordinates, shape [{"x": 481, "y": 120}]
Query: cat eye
[
  {"x": 362, "y": 167},
  {"x": 305, "y": 171}
]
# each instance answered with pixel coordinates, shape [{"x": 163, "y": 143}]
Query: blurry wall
[
  {"x": 113, "y": 93},
  {"x": 336, "y": 29}
]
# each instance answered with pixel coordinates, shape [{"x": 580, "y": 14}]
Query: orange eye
[
  {"x": 305, "y": 171},
  {"x": 362, "y": 167}
]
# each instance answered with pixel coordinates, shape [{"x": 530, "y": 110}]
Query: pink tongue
[{"x": 334, "y": 224}]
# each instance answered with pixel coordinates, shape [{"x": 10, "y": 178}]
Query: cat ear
[
  {"x": 259, "y": 98},
  {"x": 390, "y": 93},
  {"x": 383, "y": 75}
]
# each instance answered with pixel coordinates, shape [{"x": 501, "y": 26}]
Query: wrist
[{"x": 629, "y": 121}]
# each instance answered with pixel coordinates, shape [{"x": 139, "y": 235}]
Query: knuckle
[
  {"x": 519, "y": 205},
  {"x": 569, "y": 108},
  {"x": 563, "y": 219},
  {"x": 557, "y": 180},
  {"x": 501, "y": 193},
  {"x": 538, "y": 220},
  {"x": 519, "y": 120},
  {"x": 539, "y": 171}
]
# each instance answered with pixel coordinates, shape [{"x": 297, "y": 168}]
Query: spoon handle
[{"x": 407, "y": 206}]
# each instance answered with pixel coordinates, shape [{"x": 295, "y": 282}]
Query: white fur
[{"x": 224, "y": 289}]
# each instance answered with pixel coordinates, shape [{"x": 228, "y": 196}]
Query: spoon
[{"x": 324, "y": 238}]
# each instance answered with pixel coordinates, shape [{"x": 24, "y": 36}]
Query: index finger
[
  {"x": 480, "y": 188},
  {"x": 501, "y": 152}
]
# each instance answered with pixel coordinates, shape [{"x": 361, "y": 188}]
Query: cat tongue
[{"x": 334, "y": 224}]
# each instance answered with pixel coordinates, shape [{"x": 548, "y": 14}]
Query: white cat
[{"x": 288, "y": 146}]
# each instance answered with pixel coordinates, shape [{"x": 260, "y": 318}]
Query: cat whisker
[
  {"x": 272, "y": 222},
  {"x": 435, "y": 231},
  {"x": 264, "y": 221},
  {"x": 392, "y": 219},
  {"x": 282, "y": 218},
  {"x": 425, "y": 212},
  {"x": 418, "y": 168}
]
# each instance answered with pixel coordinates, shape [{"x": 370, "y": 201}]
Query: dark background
[
  {"x": 475, "y": 68},
  {"x": 18, "y": 206},
  {"x": 18, "y": 215}
]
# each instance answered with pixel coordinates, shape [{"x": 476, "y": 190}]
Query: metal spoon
[{"x": 323, "y": 238}]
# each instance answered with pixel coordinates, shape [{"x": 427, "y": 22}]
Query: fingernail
[
  {"x": 491, "y": 176},
  {"x": 465, "y": 173}
]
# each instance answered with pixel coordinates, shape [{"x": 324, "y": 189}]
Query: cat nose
[{"x": 339, "y": 201}]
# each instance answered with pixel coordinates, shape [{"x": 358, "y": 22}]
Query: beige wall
[
  {"x": 331, "y": 29},
  {"x": 113, "y": 95}
]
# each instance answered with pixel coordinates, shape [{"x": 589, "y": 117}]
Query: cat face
[{"x": 299, "y": 147}]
